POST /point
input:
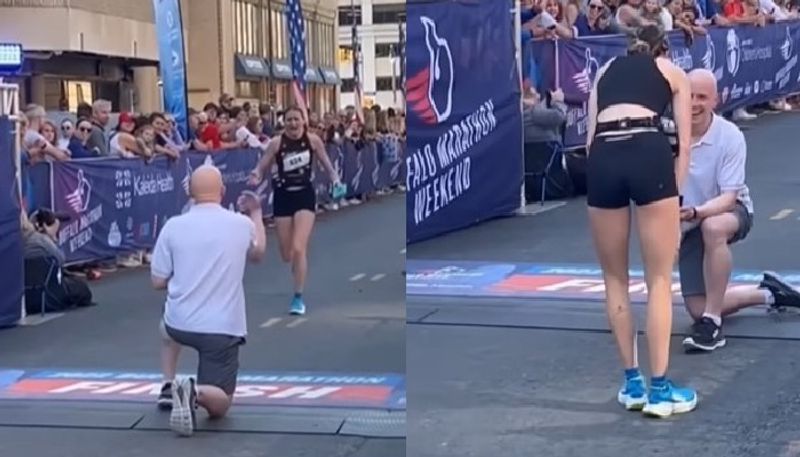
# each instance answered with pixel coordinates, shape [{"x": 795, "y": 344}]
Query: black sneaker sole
[{"x": 164, "y": 404}]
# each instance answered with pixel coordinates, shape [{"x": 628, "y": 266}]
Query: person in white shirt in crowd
[
  {"x": 67, "y": 130},
  {"x": 200, "y": 259},
  {"x": 717, "y": 211},
  {"x": 34, "y": 142},
  {"x": 248, "y": 134}
]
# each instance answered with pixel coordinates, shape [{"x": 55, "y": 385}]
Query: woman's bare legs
[
  {"x": 659, "y": 235},
  {"x": 611, "y": 232}
]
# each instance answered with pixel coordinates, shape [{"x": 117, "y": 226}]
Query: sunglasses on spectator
[
  {"x": 66, "y": 127},
  {"x": 595, "y": 6},
  {"x": 85, "y": 129}
]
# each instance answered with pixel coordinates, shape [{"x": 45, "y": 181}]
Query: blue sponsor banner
[
  {"x": 11, "y": 267},
  {"x": 465, "y": 128},
  {"x": 119, "y": 205},
  {"x": 172, "y": 62},
  {"x": 752, "y": 65}
]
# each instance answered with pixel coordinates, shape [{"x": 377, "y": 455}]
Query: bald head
[
  {"x": 704, "y": 99},
  {"x": 704, "y": 80},
  {"x": 206, "y": 185}
]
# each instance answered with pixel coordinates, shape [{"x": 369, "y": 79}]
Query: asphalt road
[
  {"x": 355, "y": 324},
  {"x": 477, "y": 388}
]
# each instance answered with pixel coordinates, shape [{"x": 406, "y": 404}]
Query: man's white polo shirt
[
  {"x": 718, "y": 165},
  {"x": 204, "y": 253}
]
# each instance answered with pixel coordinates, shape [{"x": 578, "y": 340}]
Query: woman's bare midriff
[{"x": 623, "y": 111}]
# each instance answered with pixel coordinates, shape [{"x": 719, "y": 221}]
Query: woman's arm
[
  {"x": 257, "y": 175},
  {"x": 682, "y": 111},
  {"x": 319, "y": 151}
]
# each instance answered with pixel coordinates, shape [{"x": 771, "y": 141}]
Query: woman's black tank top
[
  {"x": 634, "y": 79},
  {"x": 294, "y": 160}
]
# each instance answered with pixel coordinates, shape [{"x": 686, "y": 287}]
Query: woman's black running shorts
[
  {"x": 285, "y": 203},
  {"x": 637, "y": 166}
]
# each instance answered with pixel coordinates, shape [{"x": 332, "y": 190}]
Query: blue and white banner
[
  {"x": 752, "y": 65},
  {"x": 172, "y": 61},
  {"x": 11, "y": 265},
  {"x": 119, "y": 205},
  {"x": 464, "y": 124}
]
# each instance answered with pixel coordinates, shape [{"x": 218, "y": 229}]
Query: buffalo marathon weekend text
[{"x": 437, "y": 179}]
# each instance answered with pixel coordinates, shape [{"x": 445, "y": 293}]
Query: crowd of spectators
[
  {"x": 90, "y": 133},
  {"x": 567, "y": 19}
]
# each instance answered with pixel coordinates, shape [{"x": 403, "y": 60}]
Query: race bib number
[{"x": 295, "y": 160}]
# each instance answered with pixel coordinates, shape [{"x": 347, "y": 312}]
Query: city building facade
[
  {"x": 379, "y": 24},
  {"x": 81, "y": 50}
]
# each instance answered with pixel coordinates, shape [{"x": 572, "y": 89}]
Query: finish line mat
[
  {"x": 530, "y": 280},
  {"x": 376, "y": 391}
]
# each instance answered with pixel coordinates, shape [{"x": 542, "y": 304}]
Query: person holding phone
[
  {"x": 294, "y": 200},
  {"x": 195, "y": 253}
]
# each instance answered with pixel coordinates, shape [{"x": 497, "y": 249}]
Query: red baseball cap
[{"x": 126, "y": 117}]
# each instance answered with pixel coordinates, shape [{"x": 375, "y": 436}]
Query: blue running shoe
[
  {"x": 297, "y": 308},
  {"x": 667, "y": 399},
  {"x": 633, "y": 394}
]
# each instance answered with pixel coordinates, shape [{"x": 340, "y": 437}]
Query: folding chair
[{"x": 39, "y": 272}]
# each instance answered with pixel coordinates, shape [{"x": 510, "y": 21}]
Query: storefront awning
[
  {"x": 281, "y": 69},
  {"x": 314, "y": 76},
  {"x": 330, "y": 76},
  {"x": 250, "y": 67}
]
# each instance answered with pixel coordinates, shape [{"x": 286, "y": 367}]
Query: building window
[
  {"x": 247, "y": 89},
  {"x": 385, "y": 83},
  {"x": 385, "y": 50},
  {"x": 244, "y": 27},
  {"x": 348, "y": 85},
  {"x": 346, "y": 15},
  {"x": 280, "y": 35},
  {"x": 389, "y": 14},
  {"x": 345, "y": 54},
  {"x": 78, "y": 92}
]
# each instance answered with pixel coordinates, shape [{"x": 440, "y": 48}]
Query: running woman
[
  {"x": 630, "y": 157},
  {"x": 294, "y": 199}
]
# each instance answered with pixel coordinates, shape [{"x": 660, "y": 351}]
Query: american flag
[{"x": 297, "y": 42}]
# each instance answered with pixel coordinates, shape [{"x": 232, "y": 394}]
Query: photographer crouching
[{"x": 63, "y": 291}]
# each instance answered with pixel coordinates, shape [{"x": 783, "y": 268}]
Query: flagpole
[{"x": 518, "y": 54}]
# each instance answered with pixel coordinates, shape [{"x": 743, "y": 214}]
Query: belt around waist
[{"x": 629, "y": 124}]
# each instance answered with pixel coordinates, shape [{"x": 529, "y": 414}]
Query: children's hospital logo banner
[
  {"x": 464, "y": 161},
  {"x": 752, "y": 65}
]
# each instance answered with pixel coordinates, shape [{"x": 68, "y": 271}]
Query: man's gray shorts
[
  {"x": 218, "y": 355},
  {"x": 690, "y": 263}
]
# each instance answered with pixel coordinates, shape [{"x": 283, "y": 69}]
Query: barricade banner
[
  {"x": 119, "y": 205},
  {"x": 11, "y": 267},
  {"x": 465, "y": 145},
  {"x": 752, "y": 65}
]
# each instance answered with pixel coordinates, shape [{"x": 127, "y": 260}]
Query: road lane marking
[
  {"x": 271, "y": 322},
  {"x": 357, "y": 277},
  {"x": 782, "y": 214},
  {"x": 296, "y": 322},
  {"x": 377, "y": 277}
]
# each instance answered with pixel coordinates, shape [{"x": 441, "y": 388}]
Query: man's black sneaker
[
  {"x": 785, "y": 295},
  {"x": 165, "y": 397},
  {"x": 706, "y": 336}
]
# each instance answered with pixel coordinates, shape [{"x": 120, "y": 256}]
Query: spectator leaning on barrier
[
  {"x": 101, "y": 114},
  {"x": 50, "y": 133},
  {"x": 596, "y": 20},
  {"x": 163, "y": 144},
  {"x": 35, "y": 143},
  {"x": 79, "y": 143}
]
